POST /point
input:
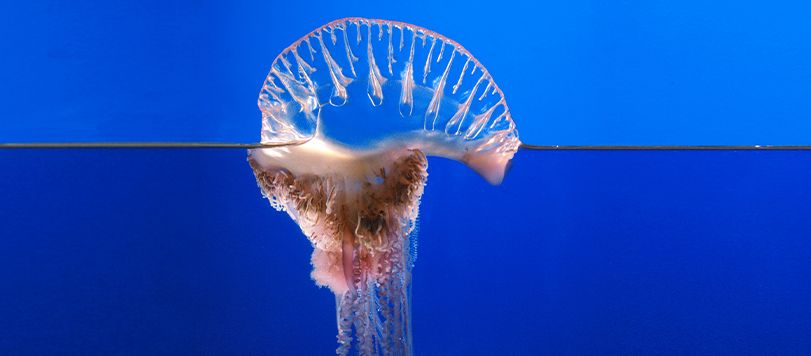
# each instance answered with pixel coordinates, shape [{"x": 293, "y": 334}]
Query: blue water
[
  {"x": 138, "y": 252},
  {"x": 141, "y": 252}
]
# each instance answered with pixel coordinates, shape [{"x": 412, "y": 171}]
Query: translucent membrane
[
  {"x": 362, "y": 102},
  {"x": 371, "y": 83}
]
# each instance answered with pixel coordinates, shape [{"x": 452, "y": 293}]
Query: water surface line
[{"x": 161, "y": 145}]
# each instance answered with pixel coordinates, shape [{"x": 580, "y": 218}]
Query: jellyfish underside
[
  {"x": 359, "y": 128},
  {"x": 358, "y": 218}
]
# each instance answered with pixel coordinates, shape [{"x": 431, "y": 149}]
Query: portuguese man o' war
[{"x": 356, "y": 106}]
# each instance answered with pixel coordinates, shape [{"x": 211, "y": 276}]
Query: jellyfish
[{"x": 351, "y": 111}]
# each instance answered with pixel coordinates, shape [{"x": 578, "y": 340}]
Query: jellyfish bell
[
  {"x": 357, "y": 104},
  {"x": 368, "y": 83}
]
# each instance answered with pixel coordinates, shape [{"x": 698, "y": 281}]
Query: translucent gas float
[{"x": 358, "y": 104}]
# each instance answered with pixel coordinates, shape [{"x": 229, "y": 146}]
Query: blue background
[
  {"x": 133, "y": 252},
  {"x": 573, "y": 72},
  {"x": 175, "y": 252}
]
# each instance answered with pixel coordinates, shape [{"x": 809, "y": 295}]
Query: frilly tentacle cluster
[{"x": 379, "y": 211}]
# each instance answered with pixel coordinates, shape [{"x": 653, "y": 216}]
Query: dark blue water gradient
[{"x": 134, "y": 252}]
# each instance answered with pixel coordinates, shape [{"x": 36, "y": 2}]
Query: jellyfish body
[{"x": 360, "y": 103}]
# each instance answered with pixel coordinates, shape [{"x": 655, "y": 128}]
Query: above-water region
[{"x": 175, "y": 251}]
